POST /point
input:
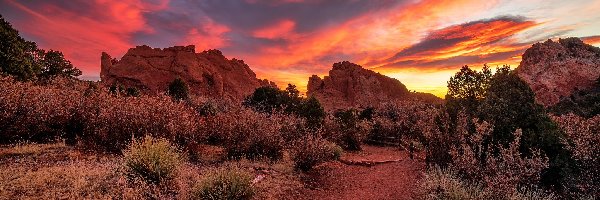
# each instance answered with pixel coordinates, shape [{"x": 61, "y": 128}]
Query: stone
[
  {"x": 208, "y": 73},
  {"x": 555, "y": 70},
  {"x": 351, "y": 86}
]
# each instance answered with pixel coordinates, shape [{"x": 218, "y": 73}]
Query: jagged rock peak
[
  {"x": 350, "y": 85},
  {"x": 208, "y": 73},
  {"x": 555, "y": 69}
]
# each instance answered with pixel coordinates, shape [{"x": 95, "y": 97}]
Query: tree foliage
[
  {"x": 25, "y": 61},
  {"x": 269, "y": 99},
  {"x": 507, "y": 102}
]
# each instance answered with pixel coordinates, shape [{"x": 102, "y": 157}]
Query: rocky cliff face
[
  {"x": 207, "y": 73},
  {"x": 555, "y": 69},
  {"x": 349, "y": 85}
]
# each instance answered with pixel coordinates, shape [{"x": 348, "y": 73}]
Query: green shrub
[
  {"x": 178, "y": 89},
  {"x": 152, "y": 160},
  {"x": 311, "y": 151},
  {"x": 347, "y": 130},
  {"x": 227, "y": 183},
  {"x": 270, "y": 100}
]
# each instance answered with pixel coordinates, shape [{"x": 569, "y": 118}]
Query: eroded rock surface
[
  {"x": 555, "y": 69},
  {"x": 349, "y": 85},
  {"x": 207, "y": 73}
]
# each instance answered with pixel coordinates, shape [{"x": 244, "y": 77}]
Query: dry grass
[{"x": 57, "y": 171}]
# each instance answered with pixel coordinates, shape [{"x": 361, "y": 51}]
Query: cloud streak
[{"x": 289, "y": 40}]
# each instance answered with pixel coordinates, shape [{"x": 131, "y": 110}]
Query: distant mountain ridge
[
  {"x": 207, "y": 73},
  {"x": 555, "y": 70}
]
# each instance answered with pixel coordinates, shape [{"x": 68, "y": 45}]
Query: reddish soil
[{"x": 393, "y": 176}]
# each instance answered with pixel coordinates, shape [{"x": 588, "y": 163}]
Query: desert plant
[
  {"x": 178, "y": 89},
  {"x": 346, "y": 129},
  {"x": 311, "y": 151},
  {"x": 583, "y": 139},
  {"x": 447, "y": 184},
  {"x": 132, "y": 92},
  {"x": 152, "y": 160},
  {"x": 225, "y": 183},
  {"x": 248, "y": 134},
  {"x": 268, "y": 99}
]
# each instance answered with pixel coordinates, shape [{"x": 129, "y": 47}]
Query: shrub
[
  {"x": 311, "y": 110},
  {"x": 501, "y": 169},
  {"x": 268, "y": 99},
  {"x": 178, "y": 89},
  {"x": 249, "y": 134},
  {"x": 311, "y": 151},
  {"x": 584, "y": 137},
  {"x": 347, "y": 130},
  {"x": 132, "y": 92},
  {"x": 34, "y": 113},
  {"x": 109, "y": 122},
  {"x": 396, "y": 122},
  {"x": 447, "y": 184},
  {"x": 152, "y": 160},
  {"x": 226, "y": 183}
]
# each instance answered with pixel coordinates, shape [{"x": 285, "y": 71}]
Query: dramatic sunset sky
[{"x": 420, "y": 42}]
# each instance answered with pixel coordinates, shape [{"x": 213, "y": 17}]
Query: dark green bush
[
  {"x": 178, "y": 89},
  {"x": 508, "y": 103},
  {"x": 272, "y": 100},
  {"x": 132, "y": 92},
  {"x": 347, "y": 130}
]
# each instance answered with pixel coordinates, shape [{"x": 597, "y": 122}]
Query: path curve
[{"x": 393, "y": 176}]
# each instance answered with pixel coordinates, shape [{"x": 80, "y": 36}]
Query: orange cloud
[
  {"x": 281, "y": 30},
  {"x": 365, "y": 38},
  {"x": 208, "y": 36},
  {"x": 83, "y": 35},
  {"x": 593, "y": 40}
]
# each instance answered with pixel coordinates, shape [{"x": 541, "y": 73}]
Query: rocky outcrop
[
  {"x": 555, "y": 69},
  {"x": 349, "y": 85},
  {"x": 207, "y": 73}
]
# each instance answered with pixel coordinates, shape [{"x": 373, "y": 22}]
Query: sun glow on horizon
[{"x": 421, "y": 43}]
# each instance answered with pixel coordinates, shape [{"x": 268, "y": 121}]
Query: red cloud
[
  {"x": 208, "y": 36},
  {"x": 281, "y": 30},
  {"x": 82, "y": 35}
]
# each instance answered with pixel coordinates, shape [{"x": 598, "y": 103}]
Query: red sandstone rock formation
[
  {"x": 349, "y": 85},
  {"x": 208, "y": 73},
  {"x": 556, "y": 69}
]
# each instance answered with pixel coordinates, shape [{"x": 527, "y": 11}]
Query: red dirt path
[{"x": 392, "y": 180}]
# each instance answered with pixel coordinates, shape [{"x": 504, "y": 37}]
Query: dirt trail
[{"x": 374, "y": 173}]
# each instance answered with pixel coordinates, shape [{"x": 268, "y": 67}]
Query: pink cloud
[
  {"x": 283, "y": 29},
  {"x": 83, "y": 35}
]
